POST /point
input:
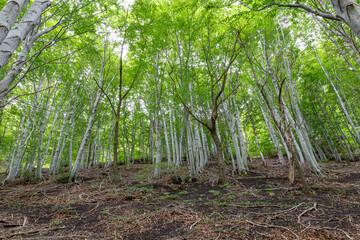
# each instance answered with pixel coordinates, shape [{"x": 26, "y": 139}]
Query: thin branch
[
  {"x": 26, "y": 94},
  {"x": 66, "y": 55},
  {"x": 230, "y": 94},
  {"x": 108, "y": 98},
  {"x": 296, "y": 5}
]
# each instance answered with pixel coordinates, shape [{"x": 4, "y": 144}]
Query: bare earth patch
[{"x": 258, "y": 206}]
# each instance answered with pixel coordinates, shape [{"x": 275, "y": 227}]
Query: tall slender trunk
[
  {"x": 341, "y": 101},
  {"x": 54, "y": 168},
  {"x": 272, "y": 134},
  {"x": 79, "y": 157},
  {"x": 15, "y": 167},
  {"x": 44, "y": 121}
]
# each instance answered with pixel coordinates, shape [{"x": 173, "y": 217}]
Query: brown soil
[{"x": 258, "y": 206}]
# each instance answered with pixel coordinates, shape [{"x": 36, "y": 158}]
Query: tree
[
  {"x": 208, "y": 84},
  {"x": 30, "y": 31}
]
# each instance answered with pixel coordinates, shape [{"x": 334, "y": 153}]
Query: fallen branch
[
  {"x": 283, "y": 211},
  {"x": 339, "y": 229},
  {"x": 192, "y": 225},
  {"x": 272, "y": 226},
  {"x": 31, "y": 232},
  {"x": 304, "y": 212}
]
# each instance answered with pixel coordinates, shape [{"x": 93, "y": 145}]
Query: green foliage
[
  {"x": 166, "y": 170},
  {"x": 214, "y": 192}
]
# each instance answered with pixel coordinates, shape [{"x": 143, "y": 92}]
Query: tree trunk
[
  {"x": 220, "y": 159},
  {"x": 349, "y": 11},
  {"x": 272, "y": 133},
  {"x": 15, "y": 167},
  {"x": 8, "y": 16},
  {"x": 18, "y": 33}
]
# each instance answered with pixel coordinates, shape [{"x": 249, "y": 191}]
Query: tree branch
[
  {"x": 296, "y": 5},
  {"x": 26, "y": 94},
  {"x": 108, "y": 98}
]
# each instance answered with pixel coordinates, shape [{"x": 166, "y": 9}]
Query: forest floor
[{"x": 258, "y": 206}]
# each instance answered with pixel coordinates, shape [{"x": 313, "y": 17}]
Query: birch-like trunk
[
  {"x": 167, "y": 144},
  {"x": 44, "y": 121},
  {"x": 72, "y": 124},
  {"x": 158, "y": 147},
  {"x": 189, "y": 146},
  {"x": 272, "y": 133},
  {"x": 173, "y": 140},
  {"x": 12, "y": 151},
  {"x": 234, "y": 135},
  {"x": 242, "y": 162},
  {"x": 151, "y": 140},
  {"x": 8, "y": 16},
  {"x": 19, "y": 32},
  {"x": 177, "y": 144},
  {"x": 54, "y": 167},
  {"x": 349, "y": 11},
  {"x": 340, "y": 101},
  {"x": 202, "y": 160},
  {"x": 15, "y": 167},
  {"x": 18, "y": 65},
  {"x": 75, "y": 168},
  {"x": 228, "y": 145}
]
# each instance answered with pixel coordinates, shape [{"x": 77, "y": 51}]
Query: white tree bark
[
  {"x": 172, "y": 136},
  {"x": 199, "y": 151},
  {"x": 18, "y": 33},
  {"x": 151, "y": 140},
  {"x": 297, "y": 125},
  {"x": 167, "y": 144},
  {"x": 340, "y": 101},
  {"x": 72, "y": 124},
  {"x": 18, "y": 66},
  {"x": 349, "y": 11},
  {"x": 54, "y": 167},
  {"x": 189, "y": 146},
  {"x": 16, "y": 143},
  {"x": 177, "y": 144},
  {"x": 228, "y": 145},
  {"x": 272, "y": 133},
  {"x": 205, "y": 147},
  {"x": 44, "y": 121},
  {"x": 158, "y": 147},
  {"x": 79, "y": 156},
  {"x": 15, "y": 167},
  {"x": 8, "y": 16},
  {"x": 242, "y": 165}
]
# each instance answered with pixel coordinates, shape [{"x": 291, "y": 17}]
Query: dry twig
[
  {"x": 31, "y": 232},
  {"x": 304, "y": 212},
  {"x": 272, "y": 226}
]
